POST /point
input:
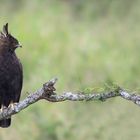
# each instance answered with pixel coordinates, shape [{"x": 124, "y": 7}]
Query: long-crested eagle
[{"x": 11, "y": 75}]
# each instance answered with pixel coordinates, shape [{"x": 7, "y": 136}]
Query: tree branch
[{"x": 47, "y": 93}]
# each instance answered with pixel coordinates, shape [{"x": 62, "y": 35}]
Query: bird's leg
[
  {"x": 11, "y": 105},
  {"x": 1, "y": 109}
]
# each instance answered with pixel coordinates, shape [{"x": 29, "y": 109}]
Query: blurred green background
[{"x": 85, "y": 44}]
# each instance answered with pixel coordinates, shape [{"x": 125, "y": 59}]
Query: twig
[{"x": 47, "y": 93}]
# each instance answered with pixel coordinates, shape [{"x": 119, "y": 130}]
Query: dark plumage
[{"x": 10, "y": 72}]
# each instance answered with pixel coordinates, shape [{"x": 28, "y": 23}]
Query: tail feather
[{"x": 5, "y": 123}]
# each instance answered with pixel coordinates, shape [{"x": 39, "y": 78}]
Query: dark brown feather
[
  {"x": 5, "y": 29},
  {"x": 11, "y": 75}
]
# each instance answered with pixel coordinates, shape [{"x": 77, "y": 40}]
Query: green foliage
[{"x": 85, "y": 44}]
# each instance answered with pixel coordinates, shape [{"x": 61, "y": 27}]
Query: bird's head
[{"x": 7, "y": 40}]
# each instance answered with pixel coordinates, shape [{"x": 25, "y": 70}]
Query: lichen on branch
[{"x": 48, "y": 92}]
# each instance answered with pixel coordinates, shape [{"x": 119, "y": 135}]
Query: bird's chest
[{"x": 9, "y": 66}]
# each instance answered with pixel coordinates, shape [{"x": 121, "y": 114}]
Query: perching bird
[{"x": 11, "y": 74}]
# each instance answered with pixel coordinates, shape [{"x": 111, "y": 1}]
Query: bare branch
[
  {"x": 47, "y": 93},
  {"x": 131, "y": 97}
]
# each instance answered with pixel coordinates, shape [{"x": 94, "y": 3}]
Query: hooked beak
[{"x": 19, "y": 45}]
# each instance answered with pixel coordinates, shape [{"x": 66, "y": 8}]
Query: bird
[{"x": 11, "y": 73}]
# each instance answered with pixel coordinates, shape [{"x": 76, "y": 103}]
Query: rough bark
[{"x": 48, "y": 93}]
